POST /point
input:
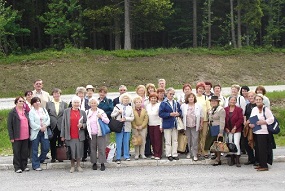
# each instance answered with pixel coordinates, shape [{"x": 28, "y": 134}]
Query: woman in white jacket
[
  {"x": 95, "y": 133},
  {"x": 192, "y": 114}
]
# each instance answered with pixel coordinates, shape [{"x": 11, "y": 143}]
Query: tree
[
  {"x": 9, "y": 28},
  {"x": 127, "y": 44},
  {"x": 233, "y": 24},
  {"x": 194, "y": 23}
]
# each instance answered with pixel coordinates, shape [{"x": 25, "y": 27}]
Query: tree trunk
[
  {"x": 127, "y": 45},
  {"x": 209, "y": 24},
  {"x": 194, "y": 23},
  {"x": 233, "y": 24},
  {"x": 247, "y": 35},
  {"x": 117, "y": 35},
  {"x": 239, "y": 26}
]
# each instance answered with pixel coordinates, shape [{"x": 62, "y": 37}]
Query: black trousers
[
  {"x": 262, "y": 146},
  {"x": 86, "y": 145},
  {"x": 21, "y": 153},
  {"x": 147, "y": 150},
  {"x": 55, "y": 139}
]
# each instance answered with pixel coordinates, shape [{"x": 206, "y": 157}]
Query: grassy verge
[{"x": 5, "y": 144}]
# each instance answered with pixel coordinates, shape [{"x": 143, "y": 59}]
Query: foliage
[
  {"x": 5, "y": 145},
  {"x": 9, "y": 28}
]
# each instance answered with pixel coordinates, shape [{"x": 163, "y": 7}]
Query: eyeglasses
[
  {"x": 122, "y": 90},
  {"x": 172, "y": 94},
  {"x": 38, "y": 83},
  {"x": 19, "y": 101}
]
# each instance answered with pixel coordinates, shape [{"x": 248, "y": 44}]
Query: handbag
[
  {"x": 116, "y": 125},
  {"x": 104, "y": 127},
  {"x": 50, "y": 133},
  {"x": 63, "y": 152},
  {"x": 214, "y": 130},
  {"x": 182, "y": 142},
  {"x": 137, "y": 140},
  {"x": 232, "y": 147},
  {"x": 219, "y": 146},
  {"x": 273, "y": 128},
  {"x": 180, "y": 125}
]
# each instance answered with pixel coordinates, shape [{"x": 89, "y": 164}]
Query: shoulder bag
[
  {"x": 116, "y": 125},
  {"x": 219, "y": 146},
  {"x": 273, "y": 128},
  {"x": 104, "y": 127}
]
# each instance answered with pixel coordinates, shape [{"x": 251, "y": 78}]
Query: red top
[
  {"x": 236, "y": 118},
  {"x": 24, "y": 126},
  {"x": 74, "y": 119}
]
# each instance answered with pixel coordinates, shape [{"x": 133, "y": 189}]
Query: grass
[
  {"x": 70, "y": 68},
  {"x": 5, "y": 144}
]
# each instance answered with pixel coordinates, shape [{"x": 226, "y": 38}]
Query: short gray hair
[
  {"x": 169, "y": 89},
  {"x": 75, "y": 98},
  {"x": 92, "y": 99},
  {"x": 125, "y": 95},
  {"x": 80, "y": 89},
  {"x": 123, "y": 87}
]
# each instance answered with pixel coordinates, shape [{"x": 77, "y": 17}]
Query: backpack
[{"x": 273, "y": 128}]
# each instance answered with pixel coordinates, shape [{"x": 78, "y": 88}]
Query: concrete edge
[{"x": 135, "y": 163}]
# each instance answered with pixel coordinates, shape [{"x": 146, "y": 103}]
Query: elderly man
[
  {"x": 40, "y": 93},
  {"x": 122, "y": 89}
]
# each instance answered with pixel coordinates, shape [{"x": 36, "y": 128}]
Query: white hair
[
  {"x": 125, "y": 95},
  {"x": 92, "y": 99},
  {"x": 75, "y": 98}
]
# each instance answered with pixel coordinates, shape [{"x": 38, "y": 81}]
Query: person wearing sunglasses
[{"x": 18, "y": 129}]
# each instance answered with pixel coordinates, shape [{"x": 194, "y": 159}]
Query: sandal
[{"x": 206, "y": 156}]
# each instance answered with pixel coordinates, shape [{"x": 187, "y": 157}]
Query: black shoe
[
  {"x": 94, "y": 167},
  {"x": 52, "y": 161},
  {"x": 256, "y": 164},
  {"x": 217, "y": 163},
  {"x": 60, "y": 160},
  {"x": 213, "y": 157},
  {"x": 83, "y": 160},
  {"x": 248, "y": 163},
  {"x": 175, "y": 158},
  {"x": 102, "y": 168},
  {"x": 170, "y": 158},
  {"x": 47, "y": 157}
]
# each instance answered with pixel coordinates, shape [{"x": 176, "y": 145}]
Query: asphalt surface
[
  {"x": 8, "y": 103},
  {"x": 187, "y": 177}
]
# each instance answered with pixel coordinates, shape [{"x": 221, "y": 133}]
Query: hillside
[{"x": 77, "y": 68}]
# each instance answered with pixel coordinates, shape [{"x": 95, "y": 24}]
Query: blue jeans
[
  {"x": 37, "y": 160},
  {"x": 123, "y": 138}
]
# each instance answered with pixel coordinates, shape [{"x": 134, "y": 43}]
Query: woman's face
[
  {"x": 217, "y": 90},
  {"x": 244, "y": 92},
  {"x": 89, "y": 92},
  {"x": 125, "y": 100},
  {"x": 37, "y": 104},
  {"x": 200, "y": 90},
  {"x": 232, "y": 101},
  {"x": 259, "y": 91},
  {"x": 207, "y": 88},
  {"x": 76, "y": 104},
  {"x": 20, "y": 102},
  {"x": 93, "y": 104},
  {"x": 251, "y": 97},
  {"x": 56, "y": 96},
  {"x": 160, "y": 95},
  {"x": 170, "y": 95},
  {"x": 191, "y": 99},
  {"x": 29, "y": 96},
  {"x": 150, "y": 90},
  {"x": 81, "y": 95},
  {"x": 141, "y": 92},
  {"x": 234, "y": 91},
  {"x": 187, "y": 90},
  {"x": 102, "y": 94},
  {"x": 138, "y": 103},
  {"x": 153, "y": 100},
  {"x": 258, "y": 101},
  {"x": 214, "y": 103}
]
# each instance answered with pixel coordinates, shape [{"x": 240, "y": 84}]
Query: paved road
[
  {"x": 190, "y": 177},
  {"x": 8, "y": 103}
]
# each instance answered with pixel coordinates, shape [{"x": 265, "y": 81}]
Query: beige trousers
[
  {"x": 139, "y": 150},
  {"x": 171, "y": 143},
  {"x": 202, "y": 139}
]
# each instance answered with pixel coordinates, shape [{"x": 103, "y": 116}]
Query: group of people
[{"x": 153, "y": 114}]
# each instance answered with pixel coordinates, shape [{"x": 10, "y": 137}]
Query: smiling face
[
  {"x": 102, "y": 94},
  {"x": 258, "y": 101},
  {"x": 217, "y": 90},
  {"x": 214, "y": 103},
  {"x": 251, "y": 97},
  {"x": 138, "y": 103},
  {"x": 20, "y": 103},
  {"x": 244, "y": 92},
  {"x": 234, "y": 91},
  {"x": 191, "y": 99},
  {"x": 56, "y": 96},
  {"x": 141, "y": 92},
  {"x": 76, "y": 104},
  {"x": 93, "y": 104},
  {"x": 200, "y": 91},
  {"x": 232, "y": 101},
  {"x": 38, "y": 85},
  {"x": 170, "y": 94},
  {"x": 125, "y": 100},
  {"x": 187, "y": 90},
  {"x": 153, "y": 100},
  {"x": 89, "y": 92}
]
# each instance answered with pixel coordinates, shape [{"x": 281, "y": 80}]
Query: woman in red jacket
[{"x": 233, "y": 126}]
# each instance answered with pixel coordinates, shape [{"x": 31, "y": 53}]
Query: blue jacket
[
  {"x": 168, "y": 122},
  {"x": 106, "y": 105}
]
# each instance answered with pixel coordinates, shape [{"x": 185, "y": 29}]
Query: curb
[{"x": 136, "y": 163}]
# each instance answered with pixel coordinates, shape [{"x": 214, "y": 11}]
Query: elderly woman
[
  {"x": 208, "y": 93},
  {"x": 169, "y": 109},
  {"x": 263, "y": 139},
  {"x": 187, "y": 89},
  {"x": 217, "y": 117},
  {"x": 124, "y": 113},
  {"x": 18, "y": 129},
  {"x": 139, "y": 126},
  {"x": 39, "y": 121},
  {"x": 248, "y": 131},
  {"x": 154, "y": 126},
  {"x": 240, "y": 99},
  {"x": 55, "y": 109},
  {"x": 217, "y": 92},
  {"x": 261, "y": 90},
  {"x": 233, "y": 127},
  {"x": 205, "y": 104},
  {"x": 160, "y": 94},
  {"x": 73, "y": 131},
  {"x": 141, "y": 91},
  {"x": 193, "y": 121},
  {"x": 95, "y": 133}
]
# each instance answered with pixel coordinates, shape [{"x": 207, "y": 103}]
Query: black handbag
[
  {"x": 116, "y": 125},
  {"x": 232, "y": 147}
]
